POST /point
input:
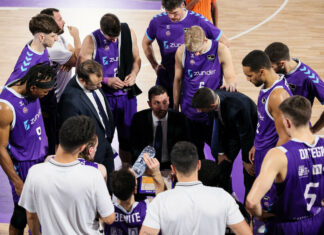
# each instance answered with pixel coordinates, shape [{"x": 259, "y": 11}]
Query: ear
[
  {"x": 283, "y": 63},
  {"x": 173, "y": 169},
  {"x": 213, "y": 106},
  {"x": 32, "y": 88},
  {"x": 90, "y": 150},
  {"x": 81, "y": 148},
  {"x": 286, "y": 122},
  {"x": 199, "y": 165},
  {"x": 149, "y": 103},
  {"x": 41, "y": 37}
]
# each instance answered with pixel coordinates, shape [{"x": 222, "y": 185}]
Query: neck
[
  {"x": 63, "y": 157},
  {"x": 290, "y": 66},
  {"x": 271, "y": 77},
  {"x": 20, "y": 89},
  {"x": 207, "y": 46},
  {"x": 187, "y": 178},
  {"x": 128, "y": 204},
  {"x": 36, "y": 45},
  {"x": 303, "y": 134}
]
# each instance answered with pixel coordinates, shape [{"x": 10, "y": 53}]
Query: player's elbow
[
  {"x": 109, "y": 219},
  {"x": 250, "y": 203}
]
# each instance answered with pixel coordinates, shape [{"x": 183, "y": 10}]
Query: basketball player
[
  {"x": 200, "y": 62},
  {"x": 301, "y": 78},
  {"x": 297, "y": 168},
  {"x": 114, "y": 46},
  {"x": 168, "y": 29},
  {"x": 129, "y": 213},
  {"x": 23, "y": 141},
  {"x": 270, "y": 130}
]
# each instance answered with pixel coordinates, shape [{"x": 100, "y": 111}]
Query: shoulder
[
  {"x": 159, "y": 17},
  {"x": 176, "y": 115},
  {"x": 6, "y": 112},
  {"x": 142, "y": 113}
]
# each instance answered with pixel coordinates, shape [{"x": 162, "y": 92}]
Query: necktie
[
  {"x": 102, "y": 113},
  {"x": 215, "y": 137},
  {"x": 158, "y": 141}
]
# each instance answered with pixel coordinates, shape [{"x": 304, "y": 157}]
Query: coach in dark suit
[
  {"x": 145, "y": 127},
  {"x": 83, "y": 96},
  {"x": 235, "y": 120}
]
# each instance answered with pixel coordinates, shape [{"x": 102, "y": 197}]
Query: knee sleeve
[{"x": 19, "y": 218}]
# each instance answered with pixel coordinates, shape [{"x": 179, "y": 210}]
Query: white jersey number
[
  {"x": 310, "y": 196},
  {"x": 201, "y": 84}
]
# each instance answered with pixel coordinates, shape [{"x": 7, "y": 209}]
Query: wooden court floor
[{"x": 299, "y": 24}]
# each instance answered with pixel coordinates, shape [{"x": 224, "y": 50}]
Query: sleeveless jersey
[
  {"x": 27, "y": 139},
  {"x": 199, "y": 71},
  {"x": 170, "y": 35},
  {"x": 106, "y": 53},
  {"x": 127, "y": 222},
  {"x": 266, "y": 135},
  {"x": 305, "y": 81},
  {"x": 300, "y": 195},
  {"x": 27, "y": 59}
]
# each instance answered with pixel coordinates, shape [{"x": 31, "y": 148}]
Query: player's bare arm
[
  {"x": 274, "y": 166},
  {"x": 74, "y": 32},
  {"x": 33, "y": 223},
  {"x": 225, "y": 58},
  {"x": 241, "y": 228},
  {"x": 148, "y": 231},
  {"x": 131, "y": 78},
  {"x": 149, "y": 53},
  {"x": 153, "y": 167},
  {"x": 178, "y": 77},
  {"x": 6, "y": 163},
  {"x": 319, "y": 124},
  {"x": 214, "y": 13},
  {"x": 87, "y": 49},
  {"x": 277, "y": 96}
]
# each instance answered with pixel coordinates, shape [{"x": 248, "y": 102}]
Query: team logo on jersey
[
  {"x": 192, "y": 55},
  {"x": 25, "y": 110},
  {"x": 165, "y": 44},
  {"x": 263, "y": 100},
  {"x": 317, "y": 169},
  {"x": 303, "y": 171},
  {"x": 211, "y": 57},
  {"x": 104, "y": 60},
  {"x": 26, "y": 125},
  {"x": 168, "y": 33},
  {"x": 190, "y": 73},
  {"x": 192, "y": 62},
  {"x": 168, "y": 27},
  {"x": 106, "y": 48},
  {"x": 292, "y": 86},
  {"x": 21, "y": 103}
]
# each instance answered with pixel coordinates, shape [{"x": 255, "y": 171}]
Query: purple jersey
[
  {"x": 266, "y": 135},
  {"x": 304, "y": 177},
  {"x": 27, "y": 59},
  {"x": 88, "y": 163},
  {"x": 27, "y": 140},
  {"x": 127, "y": 222},
  {"x": 106, "y": 53},
  {"x": 170, "y": 35},
  {"x": 305, "y": 82},
  {"x": 199, "y": 71}
]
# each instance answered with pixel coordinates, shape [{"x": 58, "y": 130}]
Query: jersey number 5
[{"x": 311, "y": 196}]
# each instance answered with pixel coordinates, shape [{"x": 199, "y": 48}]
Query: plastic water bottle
[{"x": 139, "y": 166}]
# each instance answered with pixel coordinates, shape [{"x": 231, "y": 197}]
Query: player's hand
[
  {"x": 265, "y": 216},
  {"x": 249, "y": 168},
  {"x": 74, "y": 31},
  {"x": 116, "y": 83},
  {"x": 251, "y": 155},
  {"x": 221, "y": 158},
  {"x": 153, "y": 165},
  {"x": 66, "y": 68},
  {"x": 229, "y": 87},
  {"x": 130, "y": 79},
  {"x": 158, "y": 67},
  {"x": 18, "y": 187}
]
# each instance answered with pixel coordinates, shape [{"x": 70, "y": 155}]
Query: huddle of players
[{"x": 190, "y": 63}]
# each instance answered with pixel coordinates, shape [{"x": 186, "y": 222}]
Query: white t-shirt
[
  {"x": 66, "y": 197},
  {"x": 192, "y": 208},
  {"x": 60, "y": 54}
]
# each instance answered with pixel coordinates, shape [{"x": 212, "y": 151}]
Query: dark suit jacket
[
  {"x": 75, "y": 102},
  {"x": 142, "y": 130},
  {"x": 239, "y": 116}
]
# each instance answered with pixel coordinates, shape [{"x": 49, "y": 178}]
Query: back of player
[
  {"x": 298, "y": 206},
  {"x": 127, "y": 222},
  {"x": 202, "y": 70}
]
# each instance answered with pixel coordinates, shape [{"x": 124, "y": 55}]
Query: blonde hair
[{"x": 194, "y": 38}]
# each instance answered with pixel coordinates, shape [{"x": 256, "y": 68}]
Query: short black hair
[
  {"x": 298, "y": 109},
  {"x": 122, "y": 183},
  {"x": 37, "y": 73},
  {"x": 156, "y": 90},
  {"x": 88, "y": 67},
  {"x": 209, "y": 173},
  {"x": 277, "y": 51},
  {"x": 256, "y": 60},
  {"x": 110, "y": 25},
  {"x": 49, "y": 11},
  {"x": 184, "y": 157},
  {"x": 42, "y": 23},
  {"x": 76, "y": 131},
  {"x": 170, "y": 5},
  {"x": 203, "y": 98}
]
